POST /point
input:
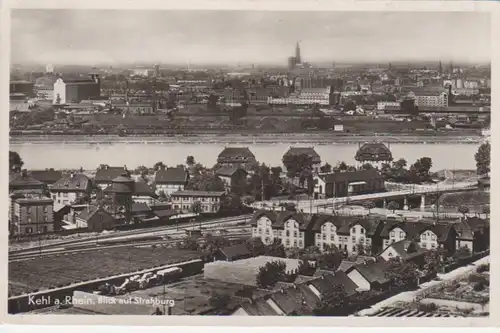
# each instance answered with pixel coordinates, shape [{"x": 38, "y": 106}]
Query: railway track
[
  {"x": 173, "y": 237},
  {"x": 130, "y": 235}
]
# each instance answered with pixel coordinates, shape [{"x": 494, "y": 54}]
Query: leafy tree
[
  {"x": 219, "y": 302},
  {"x": 367, "y": 166},
  {"x": 162, "y": 196},
  {"x": 462, "y": 252},
  {"x": 159, "y": 166},
  {"x": 275, "y": 249},
  {"x": 393, "y": 205},
  {"x": 399, "y": 164},
  {"x": 248, "y": 200},
  {"x": 350, "y": 105},
  {"x": 369, "y": 204},
  {"x": 299, "y": 165},
  {"x": 141, "y": 170},
  {"x": 422, "y": 167},
  {"x": 190, "y": 161},
  {"x": 342, "y": 166},
  {"x": 432, "y": 261},
  {"x": 464, "y": 210},
  {"x": 196, "y": 207},
  {"x": 486, "y": 210},
  {"x": 270, "y": 274},
  {"x": 483, "y": 159},
  {"x": 15, "y": 161},
  {"x": 231, "y": 204},
  {"x": 329, "y": 261},
  {"x": 402, "y": 273},
  {"x": 256, "y": 246},
  {"x": 205, "y": 182},
  {"x": 326, "y": 168},
  {"x": 306, "y": 268},
  {"x": 332, "y": 301}
]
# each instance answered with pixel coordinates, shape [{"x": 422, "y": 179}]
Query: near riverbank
[{"x": 262, "y": 138}]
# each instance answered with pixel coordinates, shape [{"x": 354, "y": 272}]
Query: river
[{"x": 72, "y": 155}]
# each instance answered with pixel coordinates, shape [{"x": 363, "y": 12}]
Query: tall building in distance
[
  {"x": 49, "y": 68},
  {"x": 157, "y": 71},
  {"x": 298, "y": 60}
]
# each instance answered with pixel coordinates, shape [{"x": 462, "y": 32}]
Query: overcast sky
[{"x": 205, "y": 37}]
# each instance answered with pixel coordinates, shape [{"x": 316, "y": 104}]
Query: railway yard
[{"x": 58, "y": 265}]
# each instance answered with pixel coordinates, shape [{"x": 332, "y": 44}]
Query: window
[
  {"x": 318, "y": 236},
  {"x": 301, "y": 234},
  {"x": 295, "y": 243},
  {"x": 295, "y": 234},
  {"x": 287, "y": 242},
  {"x": 362, "y": 240},
  {"x": 354, "y": 239},
  {"x": 393, "y": 233},
  {"x": 29, "y": 210},
  {"x": 433, "y": 245},
  {"x": 45, "y": 229},
  {"x": 423, "y": 236},
  {"x": 433, "y": 237},
  {"x": 323, "y": 227},
  {"x": 332, "y": 228},
  {"x": 332, "y": 238},
  {"x": 28, "y": 230},
  {"x": 65, "y": 194},
  {"x": 260, "y": 230},
  {"x": 300, "y": 243},
  {"x": 255, "y": 230},
  {"x": 288, "y": 233},
  {"x": 267, "y": 231},
  {"x": 280, "y": 233},
  {"x": 401, "y": 234},
  {"x": 324, "y": 236},
  {"x": 353, "y": 230},
  {"x": 362, "y": 230}
]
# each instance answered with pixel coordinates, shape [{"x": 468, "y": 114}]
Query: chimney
[{"x": 72, "y": 174}]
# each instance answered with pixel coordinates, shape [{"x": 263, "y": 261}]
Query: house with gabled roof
[
  {"x": 143, "y": 192},
  {"x": 171, "y": 180},
  {"x": 349, "y": 183},
  {"x": 23, "y": 181},
  {"x": 292, "y": 228},
  {"x": 234, "y": 177},
  {"x": 406, "y": 250},
  {"x": 347, "y": 234},
  {"x": 369, "y": 276},
  {"x": 48, "y": 176},
  {"x": 473, "y": 233},
  {"x": 69, "y": 188},
  {"x": 105, "y": 175},
  {"x": 95, "y": 218},
  {"x": 309, "y": 151},
  {"x": 233, "y": 252},
  {"x": 237, "y": 157}
]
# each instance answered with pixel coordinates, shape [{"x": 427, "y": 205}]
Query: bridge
[{"x": 401, "y": 191}]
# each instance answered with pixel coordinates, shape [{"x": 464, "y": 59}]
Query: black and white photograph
[{"x": 177, "y": 162}]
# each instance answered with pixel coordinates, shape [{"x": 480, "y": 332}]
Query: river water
[{"x": 64, "y": 155}]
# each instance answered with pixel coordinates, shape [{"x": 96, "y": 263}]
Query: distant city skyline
[{"x": 90, "y": 37}]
